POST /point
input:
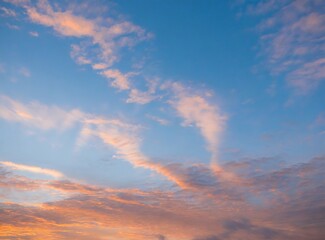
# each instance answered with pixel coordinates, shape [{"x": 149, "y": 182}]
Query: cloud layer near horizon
[{"x": 266, "y": 208}]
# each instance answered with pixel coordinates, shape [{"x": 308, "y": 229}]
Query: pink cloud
[
  {"x": 135, "y": 214},
  {"x": 196, "y": 109},
  {"x": 120, "y": 80},
  {"x": 293, "y": 40},
  {"x": 38, "y": 115}
]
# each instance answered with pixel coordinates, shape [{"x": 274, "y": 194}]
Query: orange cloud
[
  {"x": 108, "y": 35},
  {"x": 33, "y": 169},
  {"x": 177, "y": 215},
  {"x": 64, "y": 23}
]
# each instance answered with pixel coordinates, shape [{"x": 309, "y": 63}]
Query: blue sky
[{"x": 216, "y": 105}]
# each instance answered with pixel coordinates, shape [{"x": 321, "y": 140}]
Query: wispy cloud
[
  {"x": 126, "y": 142},
  {"x": 120, "y": 135},
  {"x": 8, "y": 12},
  {"x": 308, "y": 76},
  {"x": 13, "y": 26},
  {"x": 108, "y": 35},
  {"x": 293, "y": 40},
  {"x": 197, "y": 110},
  {"x": 157, "y": 119},
  {"x": 38, "y": 115},
  {"x": 2, "y": 68},
  {"x": 34, "y": 34},
  {"x": 101, "y": 40},
  {"x": 33, "y": 169},
  {"x": 24, "y": 72}
]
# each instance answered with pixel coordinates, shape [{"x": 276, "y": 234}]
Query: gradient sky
[{"x": 162, "y": 120}]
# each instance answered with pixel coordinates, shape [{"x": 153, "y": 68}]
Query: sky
[{"x": 162, "y": 120}]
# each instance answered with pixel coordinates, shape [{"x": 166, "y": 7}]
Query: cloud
[
  {"x": 2, "y": 68},
  {"x": 309, "y": 76},
  {"x": 140, "y": 97},
  {"x": 197, "y": 110},
  {"x": 101, "y": 40},
  {"x": 99, "y": 66},
  {"x": 64, "y": 23},
  {"x": 34, "y": 34},
  {"x": 293, "y": 40},
  {"x": 159, "y": 120},
  {"x": 121, "y": 136},
  {"x": 13, "y": 26},
  {"x": 120, "y": 81},
  {"x": 25, "y": 72},
  {"x": 38, "y": 115},
  {"x": 8, "y": 12},
  {"x": 263, "y": 203},
  {"x": 207, "y": 238},
  {"x": 8, "y": 181},
  {"x": 33, "y": 169},
  {"x": 155, "y": 214},
  {"x": 125, "y": 141},
  {"x": 103, "y": 37},
  {"x": 161, "y": 237},
  {"x": 143, "y": 97}
]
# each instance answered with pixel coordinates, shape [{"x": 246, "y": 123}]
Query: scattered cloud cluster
[
  {"x": 118, "y": 135},
  {"x": 101, "y": 40},
  {"x": 293, "y": 40},
  {"x": 110, "y": 36}
]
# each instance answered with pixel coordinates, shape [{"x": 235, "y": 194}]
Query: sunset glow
[{"x": 162, "y": 119}]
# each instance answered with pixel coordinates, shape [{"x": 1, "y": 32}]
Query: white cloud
[
  {"x": 8, "y": 12},
  {"x": 34, "y": 34},
  {"x": 13, "y": 26},
  {"x": 25, "y": 72},
  {"x": 158, "y": 119},
  {"x": 2, "y": 68}
]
